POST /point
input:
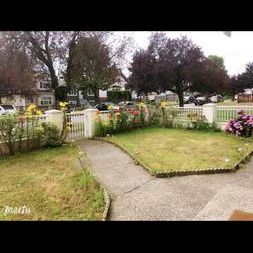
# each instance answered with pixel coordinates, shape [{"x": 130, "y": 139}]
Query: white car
[
  {"x": 7, "y": 109},
  {"x": 216, "y": 99}
]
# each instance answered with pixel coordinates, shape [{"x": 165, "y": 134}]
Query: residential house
[
  {"x": 80, "y": 99},
  {"x": 43, "y": 96}
]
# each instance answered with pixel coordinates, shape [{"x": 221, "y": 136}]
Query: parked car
[
  {"x": 128, "y": 104},
  {"x": 101, "y": 107},
  {"x": 189, "y": 99},
  {"x": 216, "y": 99},
  {"x": 7, "y": 109},
  {"x": 202, "y": 100},
  {"x": 111, "y": 105}
]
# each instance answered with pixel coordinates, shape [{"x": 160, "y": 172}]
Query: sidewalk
[{"x": 136, "y": 195}]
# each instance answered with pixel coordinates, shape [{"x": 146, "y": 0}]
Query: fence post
[
  {"x": 89, "y": 122},
  {"x": 209, "y": 112},
  {"x": 55, "y": 117}
]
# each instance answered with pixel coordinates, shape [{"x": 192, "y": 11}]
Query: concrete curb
[
  {"x": 107, "y": 205},
  {"x": 106, "y": 195},
  {"x": 159, "y": 174}
]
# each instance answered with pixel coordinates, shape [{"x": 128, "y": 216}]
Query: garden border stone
[
  {"x": 159, "y": 174},
  {"x": 106, "y": 195}
]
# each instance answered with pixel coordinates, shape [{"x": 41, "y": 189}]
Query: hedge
[{"x": 116, "y": 96}]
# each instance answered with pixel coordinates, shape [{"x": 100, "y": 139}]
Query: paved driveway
[{"x": 136, "y": 195}]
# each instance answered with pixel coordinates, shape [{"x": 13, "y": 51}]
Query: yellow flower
[
  {"x": 31, "y": 108},
  {"x": 110, "y": 107},
  {"x": 39, "y": 112},
  {"x": 163, "y": 104},
  {"x": 106, "y": 123},
  {"x": 142, "y": 104},
  {"x": 63, "y": 104}
]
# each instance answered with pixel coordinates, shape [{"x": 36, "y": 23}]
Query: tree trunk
[
  {"x": 96, "y": 94},
  {"x": 180, "y": 98},
  {"x": 55, "y": 85}
]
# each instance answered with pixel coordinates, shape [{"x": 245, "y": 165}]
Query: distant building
[
  {"x": 248, "y": 91},
  {"x": 43, "y": 97}
]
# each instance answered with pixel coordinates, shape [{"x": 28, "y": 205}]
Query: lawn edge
[
  {"x": 159, "y": 174},
  {"x": 147, "y": 168},
  {"x": 106, "y": 195}
]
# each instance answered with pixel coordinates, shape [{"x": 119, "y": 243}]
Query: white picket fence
[
  {"x": 225, "y": 113},
  {"x": 185, "y": 112},
  {"x": 82, "y": 124},
  {"x": 104, "y": 114},
  {"x": 76, "y": 122}
]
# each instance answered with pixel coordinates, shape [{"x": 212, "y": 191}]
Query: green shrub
[
  {"x": 117, "y": 96},
  {"x": 202, "y": 125},
  {"x": 151, "y": 115},
  {"x": 120, "y": 121},
  {"x": 10, "y": 131},
  {"x": 51, "y": 136}
]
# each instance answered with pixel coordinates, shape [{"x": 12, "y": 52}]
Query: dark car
[
  {"x": 101, "y": 107},
  {"x": 128, "y": 105},
  {"x": 189, "y": 99}
]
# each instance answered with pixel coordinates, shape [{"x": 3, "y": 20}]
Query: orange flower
[
  {"x": 109, "y": 116},
  {"x": 97, "y": 112}
]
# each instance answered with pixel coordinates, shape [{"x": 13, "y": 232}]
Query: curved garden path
[{"x": 136, "y": 195}]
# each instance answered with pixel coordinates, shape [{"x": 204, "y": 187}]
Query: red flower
[
  {"x": 135, "y": 113},
  {"x": 97, "y": 112}
]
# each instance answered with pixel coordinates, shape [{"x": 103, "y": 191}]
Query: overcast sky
[{"x": 236, "y": 50}]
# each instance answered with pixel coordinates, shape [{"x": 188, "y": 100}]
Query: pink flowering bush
[{"x": 242, "y": 126}]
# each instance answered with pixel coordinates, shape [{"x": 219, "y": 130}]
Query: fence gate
[{"x": 76, "y": 124}]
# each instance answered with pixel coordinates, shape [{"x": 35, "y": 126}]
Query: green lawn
[
  {"x": 175, "y": 150},
  {"x": 234, "y": 103},
  {"x": 49, "y": 183}
]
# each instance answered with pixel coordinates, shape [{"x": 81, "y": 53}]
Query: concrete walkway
[{"x": 136, "y": 195}]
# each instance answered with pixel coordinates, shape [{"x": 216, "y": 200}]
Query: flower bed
[
  {"x": 242, "y": 126},
  {"x": 127, "y": 119},
  {"x": 29, "y": 130},
  {"x": 121, "y": 120}
]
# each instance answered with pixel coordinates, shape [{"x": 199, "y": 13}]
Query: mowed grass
[
  {"x": 49, "y": 183},
  {"x": 234, "y": 103},
  {"x": 175, "y": 150}
]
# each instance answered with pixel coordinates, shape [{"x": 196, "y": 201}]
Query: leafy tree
[
  {"x": 92, "y": 66},
  {"x": 142, "y": 78},
  {"x": 177, "y": 65},
  {"x": 242, "y": 81},
  {"x": 218, "y": 60},
  {"x": 211, "y": 78},
  {"x": 16, "y": 71},
  {"x": 54, "y": 51}
]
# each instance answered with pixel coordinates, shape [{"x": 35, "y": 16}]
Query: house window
[
  {"x": 44, "y": 85},
  {"x": 46, "y": 101},
  {"x": 90, "y": 94},
  {"x": 31, "y": 100},
  {"x": 73, "y": 102},
  {"x": 72, "y": 93}
]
